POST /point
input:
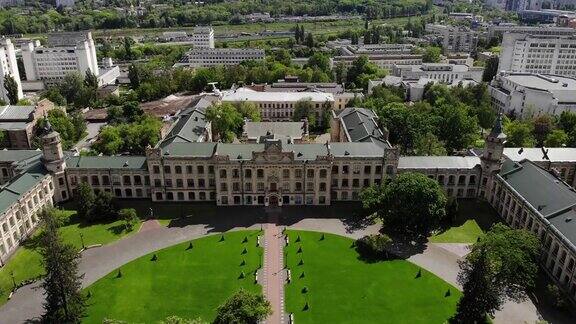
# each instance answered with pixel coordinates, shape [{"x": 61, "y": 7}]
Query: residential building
[
  {"x": 19, "y": 123},
  {"x": 279, "y": 106},
  {"x": 541, "y": 54},
  {"x": 528, "y": 94},
  {"x": 377, "y": 49},
  {"x": 203, "y": 37},
  {"x": 206, "y": 57},
  {"x": 64, "y": 53},
  {"x": 8, "y": 66},
  {"x": 454, "y": 39},
  {"x": 446, "y": 73}
]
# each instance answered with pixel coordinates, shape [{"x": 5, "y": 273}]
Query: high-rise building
[
  {"x": 8, "y": 66},
  {"x": 538, "y": 54},
  {"x": 63, "y": 54}
]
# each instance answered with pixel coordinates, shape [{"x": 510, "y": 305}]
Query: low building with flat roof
[
  {"x": 19, "y": 123},
  {"x": 528, "y": 94},
  {"x": 291, "y": 132}
]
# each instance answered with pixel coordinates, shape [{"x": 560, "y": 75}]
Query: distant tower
[
  {"x": 492, "y": 156},
  {"x": 52, "y": 154}
]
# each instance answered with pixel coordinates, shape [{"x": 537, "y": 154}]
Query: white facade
[
  {"x": 382, "y": 61},
  {"x": 203, "y": 37},
  {"x": 538, "y": 54},
  {"x": 279, "y": 106},
  {"x": 496, "y": 30},
  {"x": 446, "y": 73},
  {"x": 527, "y": 95},
  {"x": 206, "y": 57},
  {"x": 8, "y": 66},
  {"x": 65, "y": 53}
]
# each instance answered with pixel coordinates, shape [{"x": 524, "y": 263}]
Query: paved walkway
[{"x": 273, "y": 268}]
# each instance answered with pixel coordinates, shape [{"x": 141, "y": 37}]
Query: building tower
[
  {"x": 492, "y": 157},
  {"x": 52, "y": 154}
]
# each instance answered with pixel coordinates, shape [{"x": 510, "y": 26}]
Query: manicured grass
[
  {"x": 474, "y": 218},
  {"x": 26, "y": 262},
  {"x": 342, "y": 288},
  {"x": 189, "y": 283},
  {"x": 468, "y": 232}
]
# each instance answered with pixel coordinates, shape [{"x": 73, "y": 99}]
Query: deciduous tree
[{"x": 243, "y": 307}]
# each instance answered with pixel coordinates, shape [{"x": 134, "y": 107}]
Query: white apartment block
[
  {"x": 538, "y": 54},
  {"x": 527, "y": 94},
  {"x": 445, "y": 73},
  {"x": 206, "y": 57},
  {"x": 454, "y": 39},
  {"x": 8, "y": 66},
  {"x": 64, "y": 53},
  {"x": 279, "y": 106},
  {"x": 203, "y": 37}
]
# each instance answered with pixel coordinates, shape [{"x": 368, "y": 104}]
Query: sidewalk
[{"x": 273, "y": 269}]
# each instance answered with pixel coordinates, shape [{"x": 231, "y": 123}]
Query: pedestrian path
[{"x": 274, "y": 268}]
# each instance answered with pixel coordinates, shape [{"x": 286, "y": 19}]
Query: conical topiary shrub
[
  {"x": 242, "y": 275},
  {"x": 245, "y": 240},
  {"x": 305, "y": 290},
  {"x": 419, "y": 274},
  {"x": 302, "y": 275},
  {"x": 299, "y": 250},
  {"x": 301, "y": 262},
  {"x": 448, "y": 293},
  {"x": 306, "y": 307},
  {"x": 244, "y": 251},
  {"x": 119, "y": 274},
  {"x": 221, "y": 238},
  {"x": 243, "y": 263},
  {"x": 190, "y": 246},
  {"x": 154, "y": 257},
  {"x": 322, "y": 237},
  {"x": 298, "y": 239}
]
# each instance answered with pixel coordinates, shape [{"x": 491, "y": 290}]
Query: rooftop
[
  {"x": 107, "y": 162},
  {"x": 10, "y": 193},
  {"x": 245, "y": 94},
  {"x": 360, "y": 124},
  {"x": 190, "y": 127},
  {"x": 16, "y": 113},
  {"x": 438, "y": 162},
  {"x": 538, "y": 154},
  {"x": 255, "y": 130}
]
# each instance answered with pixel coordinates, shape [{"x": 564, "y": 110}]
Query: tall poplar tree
[{"x": 64, "y": 303}]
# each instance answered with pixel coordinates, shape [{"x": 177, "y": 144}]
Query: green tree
[
  {"x": 457, "y": 128},
  {"x": 310, "y": 40},
  {"x": 91, "y": 80},
  {"x": 129, "y": 217},
  {"x": 226, "y": 121},
  {"x": 62, "y": 284},
  {"x": 84, "y": 199},
  {"x": 480, "y": 296},
  {"x": 372, "y": 197},
  {"x": 413, "y": 204},
  {"x": 490, "y": 69},
  {"x": 242, "y": 308},
  {"x": 432, "y": 54},
  {"x": 11, "y": 88},
  {"x": 129, "y": 54},
  {"x": 513, "y": 255},
  {"x": 53, "y": 94},
  {"x": 319, "y": 61},
  {"x": 429, "y": 144},
  {"x": 104, "y": 207},
  {"x": 304, "y": 109},
  {"x": 556, "y": 138},
  {"x": 109, "y": 141},
  {"x": 542, "y": 126},
  {"x": 519, "y": 134},
  {"x": 249, "y": 110}
]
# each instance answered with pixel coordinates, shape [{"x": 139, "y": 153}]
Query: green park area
[
  {"x": 26, "y": 263},
  {"x": 189, "y": 280},
  {"x": 331, "y": 283},
  {"x": 473, "y": 219}
]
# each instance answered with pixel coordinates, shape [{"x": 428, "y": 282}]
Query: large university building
[
  {"x": 538, "y": 54},
  {"x": 530, "y": 188}
]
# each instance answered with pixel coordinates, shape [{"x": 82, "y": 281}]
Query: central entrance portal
[{"x": 273, "y": 201}]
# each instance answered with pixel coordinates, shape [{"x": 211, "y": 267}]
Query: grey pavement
[{"x": 93, "y": 130}]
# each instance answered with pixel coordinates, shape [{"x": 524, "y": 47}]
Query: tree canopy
[{"x": 243, "y": 307}]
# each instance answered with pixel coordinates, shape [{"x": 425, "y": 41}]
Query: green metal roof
[
  {"x": 10, "y": 193},
  {"x": 107, "y": 162},
  {"x": 17, "y": 155}
]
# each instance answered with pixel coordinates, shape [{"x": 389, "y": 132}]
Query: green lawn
[
  {"x": 465, "y": 233},
  {"x": 345, "y": 289},
  {"x": 26, "y": 262},
  {"x": 189, "y": 283},
  {"x": 474, "y": 218}
]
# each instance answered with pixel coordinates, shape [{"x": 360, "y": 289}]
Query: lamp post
[
  {"x": 13, "y": 280},
  {"x": 82, "y": 240}
]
